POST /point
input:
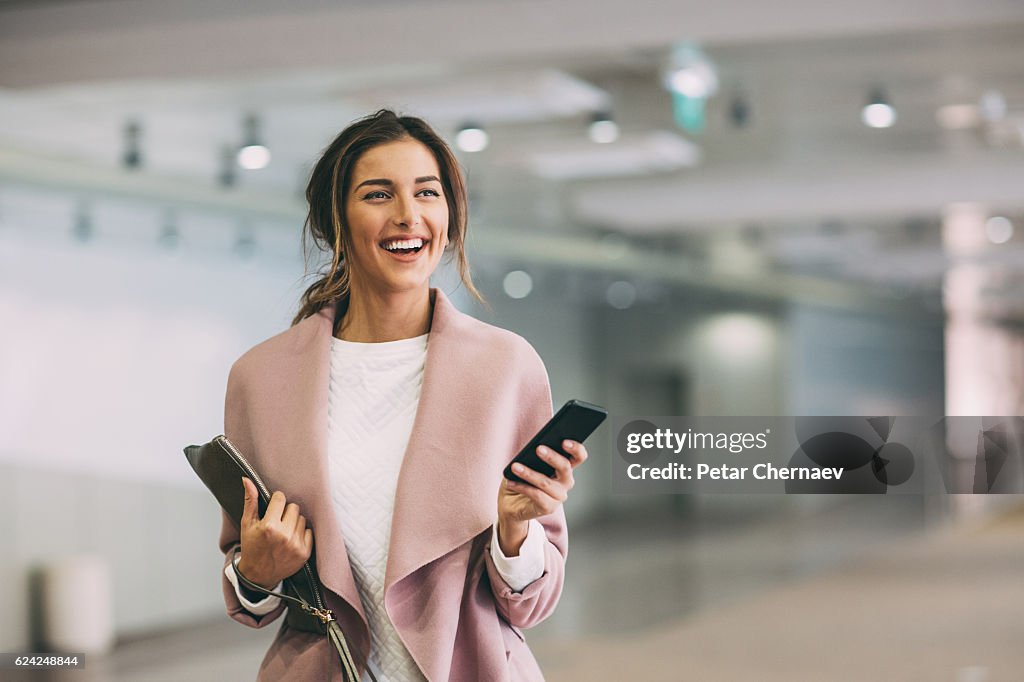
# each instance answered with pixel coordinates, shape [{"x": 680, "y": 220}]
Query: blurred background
[{"x": 731, "y": 208}]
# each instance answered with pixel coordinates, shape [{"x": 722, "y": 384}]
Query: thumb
[{"x": 249, "y": 505}]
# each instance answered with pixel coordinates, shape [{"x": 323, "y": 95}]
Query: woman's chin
[{"x": 404, "y": 285}]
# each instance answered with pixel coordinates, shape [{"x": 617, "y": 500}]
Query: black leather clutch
[{"x": 221, "y": 467}]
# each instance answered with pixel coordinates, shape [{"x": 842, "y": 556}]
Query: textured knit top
[
  {"x": 375, "y": 389},
  {"x": 372, "y": 402}
]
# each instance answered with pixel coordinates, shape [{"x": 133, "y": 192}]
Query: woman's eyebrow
[
  {"x": 389, "y": 183},
  {"x": 375, "y": 181}
]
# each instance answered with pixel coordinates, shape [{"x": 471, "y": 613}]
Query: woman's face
[{"x": 397, "y": 216}]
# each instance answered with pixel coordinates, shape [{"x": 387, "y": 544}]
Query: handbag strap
[{"x": 325, "y": 616}]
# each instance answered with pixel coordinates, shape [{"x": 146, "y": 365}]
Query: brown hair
[{"x": 328, "y": 186}]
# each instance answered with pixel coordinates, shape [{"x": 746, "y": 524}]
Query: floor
[{"x": 873, "y": 589}]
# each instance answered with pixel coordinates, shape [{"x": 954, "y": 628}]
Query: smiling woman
[
  {"x": 387, "y": 417},
  {"x": 353, "y": 177}
]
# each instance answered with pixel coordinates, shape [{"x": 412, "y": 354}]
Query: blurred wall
[
  {"x": 728, "y": 357},
  {"x": 849, "y": 363},
  {"x": 113, "y": 357}
]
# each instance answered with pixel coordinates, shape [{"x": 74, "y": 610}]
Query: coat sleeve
[
  {"x": 538, "y": 599},
  {"x": 236, "y": 428}
]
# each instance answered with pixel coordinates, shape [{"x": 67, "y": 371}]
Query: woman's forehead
[{"x": 401, "y": 160}]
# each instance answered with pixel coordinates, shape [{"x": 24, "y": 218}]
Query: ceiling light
[
  {"x": 518, "y": 284},
  {"x": 690, "y": 73},
  {"x": 132, "y": 157},
  {"x": 691, "y": 78},
  {"x": 253, "y": 154},
  {"x": 471, "y": 138},
  {"x": 999, "y": 229},
  {"x": 878, "y": 113},
  {"x": 603, "y": 129},
  {"x": 992, "y": 105}
]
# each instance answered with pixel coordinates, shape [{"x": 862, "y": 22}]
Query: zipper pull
[{"x": 325, "y": 615}]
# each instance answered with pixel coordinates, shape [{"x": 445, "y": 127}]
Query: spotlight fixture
[
  {"x": 228, "y": 176},
  {"x": 132, "y": 157},
  {"x": 471, "y": 138},
  {"x": 253, "y": 154},
  {"x": 603, "y": 129},
  {"x": 739, "y": 111},
  {"x": 878, "y": 112}
]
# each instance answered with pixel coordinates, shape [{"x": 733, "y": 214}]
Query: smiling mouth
[{"x": 403, "y": 246}]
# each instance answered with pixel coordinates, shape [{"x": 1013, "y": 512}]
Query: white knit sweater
[{"x": 374, "y": 394}]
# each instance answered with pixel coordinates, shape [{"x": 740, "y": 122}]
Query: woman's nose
[{"x": 406, "y": 212}]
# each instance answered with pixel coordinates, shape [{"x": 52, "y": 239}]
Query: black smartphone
[{"x": 576, "y": 420}]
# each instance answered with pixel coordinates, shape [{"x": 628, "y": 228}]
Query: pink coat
[{"x": 485, "y": 393}]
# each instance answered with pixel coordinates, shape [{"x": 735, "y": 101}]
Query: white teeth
[{"x": 404, "y": 244}]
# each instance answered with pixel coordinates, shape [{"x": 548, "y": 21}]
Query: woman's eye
[
  {"x": 377, "y": 194},
  {"x": 431, "y": 192}
]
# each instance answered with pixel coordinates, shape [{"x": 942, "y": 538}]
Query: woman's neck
[{"x": 375, "y": 318}]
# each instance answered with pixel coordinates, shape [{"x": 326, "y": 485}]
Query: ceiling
[{"x": 802, "y": 193}]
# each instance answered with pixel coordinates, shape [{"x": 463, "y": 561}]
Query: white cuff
[
  {"x": 520, "y": 571},
  {"x": 260, "y": 608}
]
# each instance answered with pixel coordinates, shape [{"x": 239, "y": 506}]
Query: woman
[{"x": 387, "y": 416}]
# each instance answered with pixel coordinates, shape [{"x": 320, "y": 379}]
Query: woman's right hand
[{"x": 275, "y": 546}]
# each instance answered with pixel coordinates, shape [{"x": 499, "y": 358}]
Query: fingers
[
  {"x": 543, "y": 502},
  {"x": 276, "y": 506},
  {"x": 249, "y": 505},
  {"x": 300, "y": 532},
  {"x": 559, "y": 462},
  {"x": 291, "y": 515},
  {"x": 276, "y": 545},
  {"x": 284, "y": 518},
  {"x": 307, "y": 542},
  {"x": 577, "y": 453},
  {"x": 552, "y": 487},
  {"x": 547, "y": 492}
]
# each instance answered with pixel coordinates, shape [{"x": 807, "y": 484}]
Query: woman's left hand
[{"x": 540, "y": 495}]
